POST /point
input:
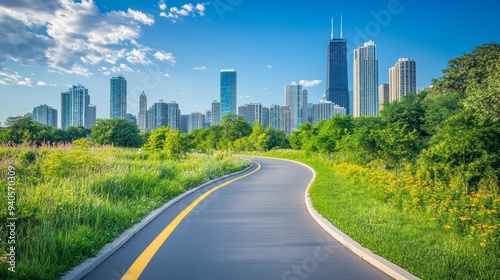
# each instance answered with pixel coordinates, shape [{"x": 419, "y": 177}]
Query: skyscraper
[
  {"x": 325, "y": 110},
  {"x": 402, "y": 79},
  {"x": 157, "y": 115},
  {"x": 91, "y": 116},
  {"x": 337, "y": 87},
  {"x": 142, "y": 120},
  {"x": 365, "y": 81},
  {"x": 251, "y": 113},
  {"x": 215, "y": 113},
  {"x": 45, "y": 115},
  {"x": 164, "y": 114},
  {"x": 75, "y": 107},
  {"x": 286, "y": 119},
  {"x": 196, "y": 120},
  {"x": 274, "y": 116},
  {"x": 383, "y": 95},
  {"x": 118, "y": 97},
  {"x": 265, "y": 117},
  {"x": 173, "y": 115},
  {"x": 228, "y": 92},
  {"x": 296, "y": 99}
]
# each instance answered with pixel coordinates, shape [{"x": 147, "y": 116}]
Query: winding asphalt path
[{"x": 257, "y": 227}]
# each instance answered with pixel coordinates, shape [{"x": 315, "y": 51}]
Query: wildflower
[
  {"x": 447, "y": 226},
  {"x": 482, "y": 244}
]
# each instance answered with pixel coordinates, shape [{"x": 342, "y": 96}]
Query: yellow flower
[
  {"x": 447, "y": 226},
  {"x": 482, "y": 244}
]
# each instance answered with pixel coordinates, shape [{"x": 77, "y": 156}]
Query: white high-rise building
[
  {"x": 296, "y": 99},
  {"x": 251, "y": 113},
  {"x": 215, "y": 113},
  {"x": 383, "y": 95},
  {"x": 325, "y": 110},
  {"x": 142, "y": 120},
  {"x": 365, "y": 81},
  {"x": 402, "y": 79}
]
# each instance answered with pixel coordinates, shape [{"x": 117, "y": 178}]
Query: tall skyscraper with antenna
[{"x": 337, "y": 87}]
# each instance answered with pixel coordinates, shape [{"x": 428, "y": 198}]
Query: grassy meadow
[
  {"x": 435, "y": 232},
  {"x": 73, "y": 199}
]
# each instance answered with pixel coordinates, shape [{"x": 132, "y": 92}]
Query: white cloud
[
  {"x": 138, "y": 56},
  {"x": 9, "y": 77},
  {"x": 201, "y": 9},
  {"x": 164, "y": 56},
  {"x": 162, "y": 5},
  {"x": 244, "y": 97},
  {"x": 185, "y": 10},
  {"x": 269, "y": 66},
  {"x": 120, "y": 69},
  {"x": 69, "y": 36},
  {"x": 201, "y": 68},
  {"x": 263, "y": 88},
  {"x": 309, "y": 83}
]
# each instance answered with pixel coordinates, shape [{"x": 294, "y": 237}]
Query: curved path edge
[
  {"x": 377, "y": 261},
  {"x": 88, "y": 265}
]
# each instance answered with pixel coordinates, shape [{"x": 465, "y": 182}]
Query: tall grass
[
  {"x": 73, "y": 199},
  {"x": 431, "y": 231}
]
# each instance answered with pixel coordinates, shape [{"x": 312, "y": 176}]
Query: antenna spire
[
  {"x": 331, "y": 34},
  {"x": 341, "y": 26}
]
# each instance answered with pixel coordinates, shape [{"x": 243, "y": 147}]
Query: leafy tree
[
  {"x": 258, "y": 138},
  {"x": 469, "y": 69},
  {"x": 301, "y": 136},
  {"x": 117, "y": 131},
  {"x": 233, "y": 127},
  {"x": 166, "y": 143},
  {"x": 277, "y": 139},
  {"x": 330, "y": 133},
  {"x": 24, "y": 130},
  {"x": 156, "y": 140},
  {"x": 483, "y": 97},
  {"x": 397, "y": 145},
  {"x": 437, "y": 110},
  {"x": 475, "y": 79},
  {"x": 465, "y": 149},
  {"x": 361, "y": 145},
  {"x": 75, "y": 132},
  {"x": 410, "y": 111},
  {"x": 176, "y": 145}
]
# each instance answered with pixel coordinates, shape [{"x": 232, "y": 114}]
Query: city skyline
[{"x": 176, "y": 54}]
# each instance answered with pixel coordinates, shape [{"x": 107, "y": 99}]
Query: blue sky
[{"x": 174, "y": 50}]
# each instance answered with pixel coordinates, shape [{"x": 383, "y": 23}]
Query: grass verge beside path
[
  {"x": 72, "y": 200},
  {"x": 421, "y": 241}
]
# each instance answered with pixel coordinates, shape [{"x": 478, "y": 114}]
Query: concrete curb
[
  {"x": 380, "y": 263},
  {"x": 87, "y": 266}
]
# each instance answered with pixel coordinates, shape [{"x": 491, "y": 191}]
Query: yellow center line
[{"x": 142, "y": 261}]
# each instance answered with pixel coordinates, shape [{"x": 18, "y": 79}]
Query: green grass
[
  {"x": 412, "y": 239},
  {"x": 72, "y": 200}
]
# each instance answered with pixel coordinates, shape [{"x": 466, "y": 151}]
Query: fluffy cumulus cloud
[
  {"x": 175, "y": 13},
  {"x": 164, "y": 56},
  {"x": 69, "y": 36},
  {"x": 309, "y": 83}
]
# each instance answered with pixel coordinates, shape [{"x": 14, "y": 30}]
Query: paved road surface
[{"x": 257, "y": 227}]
